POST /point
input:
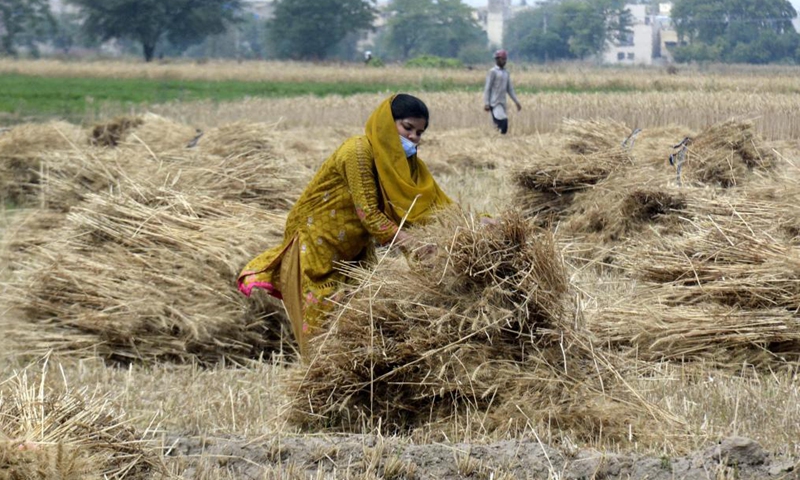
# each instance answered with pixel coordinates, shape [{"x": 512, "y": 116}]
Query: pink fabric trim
[{"x": 247, "y": 288}]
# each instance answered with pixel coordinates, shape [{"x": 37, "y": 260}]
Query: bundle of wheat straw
[
  {"x": 546, "y": 184},
  {"x": 68, "y": 177},
  {"x": 60, "y": 178},
  {"x": 68, "y": 435},
  {"x": 724, "y": 154},
  {"x": 266, "y": 180},
  {"x": 24, "y": 151},
  {"x": 24, "y": 230},
  {"x": 725, "y": 337},
  {"x": 724, "y": 263},
  {"x": 483, "y": 326},
  {"x": 239, "y": 162},
  {"x": 147, "y": 274},
  {"x": 160, "y": 134},
  {"x": 768, "y": 210},
  {"x": 593, "y": 136},
  {"x": 612, "y": 214},
  {"x": 114, "y": 131},
  {"x": 240, "y": 139}
]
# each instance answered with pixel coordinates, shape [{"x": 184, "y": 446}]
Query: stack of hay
[
  {"x": 24, "y": 155},
  {"x": 726, "y": 263},
  {"x": 238, "y": 162},
  {"x": 725, "y": 154},
  {"x": 149, "y": 274},
  {"x": 160, "y": 136},
  {"x": 483, "y": 327},
  {"x": 721, "y": 292},
  {"x": 587, "y": 137},
  {"x": 135, "y": 248},
  {"x": 548, "y": 182},
  {"x": 618, "y": 212},
  {"x": 68, "y": 435},
  {"x": 111, "y": 133}
]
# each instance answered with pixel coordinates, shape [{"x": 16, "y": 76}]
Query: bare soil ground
[{"x": 360, "y": 456}]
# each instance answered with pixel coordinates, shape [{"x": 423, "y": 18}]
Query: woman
[{"x": 363, "y": 192}]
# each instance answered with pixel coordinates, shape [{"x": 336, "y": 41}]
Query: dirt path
[{"x": 356, "y": 456}]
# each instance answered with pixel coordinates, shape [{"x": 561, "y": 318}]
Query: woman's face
[{"x": 412, "y": 128}]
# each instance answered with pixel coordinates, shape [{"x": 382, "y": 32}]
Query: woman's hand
[
  {"x": 403, "y": 239},
  {"x": 411, "y": 245}
]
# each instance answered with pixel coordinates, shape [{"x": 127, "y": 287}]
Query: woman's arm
[{"x": 361, "y": 182}]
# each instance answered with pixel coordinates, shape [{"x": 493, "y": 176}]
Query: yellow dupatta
[{"x": 400, "y": 184}]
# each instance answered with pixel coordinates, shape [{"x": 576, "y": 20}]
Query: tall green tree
[
  {"x": 311, "y": 29},
  {"x": 408, "y": 26},
  {"x": 444, "y": 28},
  {"x": 182, "y": 22},
  {"x": 23, "y": 20},
  {"x": 749, "y": 31},
  {"x": 567, "y": 29},
  {"x": 533, "y": 35}
]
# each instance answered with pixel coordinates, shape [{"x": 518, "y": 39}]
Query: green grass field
[{"x": 25, "y": 97}]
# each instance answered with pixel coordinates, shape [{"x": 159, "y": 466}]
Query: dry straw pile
[
  {"x": 68, "y": 435},
  {"x": 710, "y": 269},
  {"x": 602, "y": 191},
  {"x": 593, "y": 136},
  {"x": 24, "y": 152},
  {"x": 720, "y": 292},
  {"x": 548, "y": 182},
  {"x": 109, "y": 134},
  {"x": 146, "y": 275},
  {"x": 134, "y": 249},
  {"x": 724, "y": 154},
  {"x": 716, "y": 335},
  {"x": 485, "y": 326}
]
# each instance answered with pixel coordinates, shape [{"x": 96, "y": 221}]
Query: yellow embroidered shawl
[{"x": 401, "y": 179}]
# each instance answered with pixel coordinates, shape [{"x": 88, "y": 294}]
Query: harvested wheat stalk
[
  {"x": 594, "y": 136},
  {"x": 725, "y": 153},
  {"x": 546, "y": 185},
  {"x": 68, "y": 435},
  {"x": 725, "y": 337},
  {"x": 728, "y": 264},
  {"x": 148, "y": 275},
  {"x": 483, "y": 326},
  {"x": 24, "y": 153}
]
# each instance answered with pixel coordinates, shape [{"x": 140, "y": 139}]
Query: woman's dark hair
[{"x": 408, "y": 106}]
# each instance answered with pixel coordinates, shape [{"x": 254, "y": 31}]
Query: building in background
[
  {"x": 493, "y": 17},
  {"x": 263, "y": 9},
  {"x": 61, "y": 7},
  {"x": 642, "y": 46},
  {"x": 497, "y": 14}
]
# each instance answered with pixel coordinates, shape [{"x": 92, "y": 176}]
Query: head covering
[
  {"x": 400, "y": 184},
  {"x": 501, "y": 54}
]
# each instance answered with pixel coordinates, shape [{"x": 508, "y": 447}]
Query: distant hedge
[{"x": 432, "y": 61}]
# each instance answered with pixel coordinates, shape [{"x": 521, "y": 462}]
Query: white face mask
[{"x": 408, "y": 146}]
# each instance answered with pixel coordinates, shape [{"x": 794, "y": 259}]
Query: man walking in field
[{"x": 498, "y": 83}]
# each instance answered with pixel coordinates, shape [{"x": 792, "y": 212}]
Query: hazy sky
[{"x": 483, "y": 3}]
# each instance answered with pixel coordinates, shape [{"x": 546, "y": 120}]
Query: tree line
[{"x": 752, "y": 31}]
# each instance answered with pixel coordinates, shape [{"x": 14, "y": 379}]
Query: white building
[
  {"x": 641, "y": 46},
  {"x": 497, "y": 15},
  {"x": 60, "y": 7},
  {"x": 493, "y": 17},
  {"x": 262, "y": 8}
]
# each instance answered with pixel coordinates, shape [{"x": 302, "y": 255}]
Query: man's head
[{"x": 501, "y": 57}]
